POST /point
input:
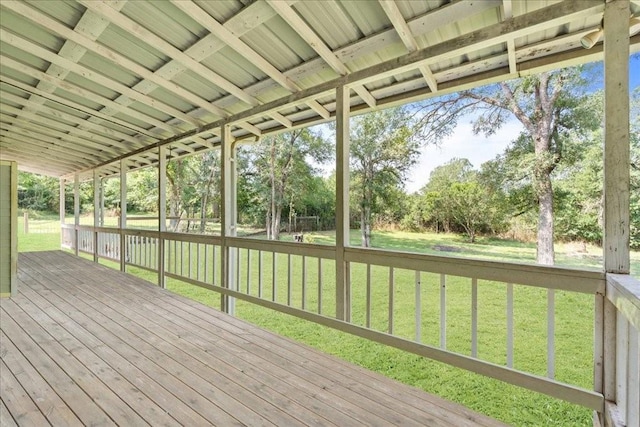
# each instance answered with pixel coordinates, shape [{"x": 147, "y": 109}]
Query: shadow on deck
[{"x": 85, "y": 344}]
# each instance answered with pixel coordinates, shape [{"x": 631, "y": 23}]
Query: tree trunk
[
  {"x": 545, "y": 252},
  {"x": 275, "y": 220},
  {"x": 203, "y": 210}
]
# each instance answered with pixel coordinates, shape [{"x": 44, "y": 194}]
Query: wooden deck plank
[
  {"x": 229, "y": 357},
  {"x": 164, "y": 354},
  {"x": 365, "y": 388},
  {"x": 65, "y": 374},
  {"x": 151, "y": 381},
  {"x": 211, "y": 388},
  {"x": 18, "y": 402},
  {"x": 361, "y": 401},
  {"x": 48, "y": 402},
  {"x": 6, "y": 419},
  {"x": 147, "y": 410}
]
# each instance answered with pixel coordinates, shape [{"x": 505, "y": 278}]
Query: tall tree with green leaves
[
  {"x": 280, "y": 169},
  {"x": 383, "y": 150},
  {"x": 552, "y": 109}
]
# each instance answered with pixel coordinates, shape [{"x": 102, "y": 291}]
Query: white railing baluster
[
  {"x": 474, "y": 317},
  {"x": 248, "y": 271},
  {"x": 175, "y": 259},
  {"x": 319, "y": 285},
  {"x": 443, "y": 311},
  {"x": 181, "y": 257},
  {"x": 190, "y": 252},
  {"x": 622, "y": 353},
  {"x": 289, "y": 280},
  {"x": 368, "y": 296},
  {"x": 206, "y": 263},
  {"x": 197, "y": 261},
  {"x": 303, "y": 303},
  {"x": 510, "y": 325},
  {"x": 274, "y": 283},
  {"x": 418, "y": 300},
  {"x": 213, "y": 265},
  {"x": 238, "y": 263},
  {"x": 391, "y": 295},
  {"x": 551, "y": 328},
  {"x": 633, "y": 375},
  {"x": 259, "y": 274}
]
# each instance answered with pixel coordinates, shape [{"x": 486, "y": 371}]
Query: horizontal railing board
[
  {"x": 302, "y": 249},
  {"x": 192, "y": 238},
  {"x": 569, "y": 393},
  {"x": 623, "y": 291},
  {"x": 569, "y": 279}
]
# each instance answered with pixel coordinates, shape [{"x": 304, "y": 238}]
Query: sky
[{"x": 476, "y": 148}]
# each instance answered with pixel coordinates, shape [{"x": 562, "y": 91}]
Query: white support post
[
  {"x": 76, "y": 211},
  {"x": 229, "y": 218},
  {"x": 616, "y": 137},
  {"x": 342, "y": 203},
  {"x": 96, "y": 211},
  {"x": 616, "y": 171},
  {"x": 162, "y": 212},
  {"x": 62, "y": 209},
  {"x": 122, "y": 221}
]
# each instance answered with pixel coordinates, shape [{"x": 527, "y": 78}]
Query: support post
[
  {"x": 122, "y": 219},
  {"x": 97, "y": 184},
  {"x": 343, "y": 303},
  {"x": 62, "y": 208},
  {"x": 616, "y": 172},
  {"x": 162, "y": 211},
  {"x": 76, "y": 211},
  {"x": 229, "y": 218}
]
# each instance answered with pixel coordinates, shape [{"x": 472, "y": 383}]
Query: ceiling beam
[
  {"x": 27, "y": 46},
  {"x": 158, "y": 43},
  {"x": 115, "y": 136},
  {"x": 196, "y": 13},
  {"x": 507, "y": 5},
  {"x": 143, "y": 134},
  {"x": 421, "y": 25},
  {"x": 110, "y": 55},
  {"x": 84, "y": 93},
  {"x": 404, "y": 32},
  {"x": 292, "y": 18}
]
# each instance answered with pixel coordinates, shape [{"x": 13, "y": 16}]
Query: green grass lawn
[{"x": 574, "y": 321}]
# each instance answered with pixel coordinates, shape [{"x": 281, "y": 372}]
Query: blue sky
[{"x": 478, "y": 149}]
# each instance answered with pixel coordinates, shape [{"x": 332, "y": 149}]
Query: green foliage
[
  {"x": 456, "y": 199},
  {"x": 278, "y": 177},
  {"x": 37, "y": 192},
  {"x": 383, "y": 150}
]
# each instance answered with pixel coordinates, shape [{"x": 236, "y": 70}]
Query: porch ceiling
[{"x": 84, "y": 83}]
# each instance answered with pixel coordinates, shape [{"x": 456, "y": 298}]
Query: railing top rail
[
  {"x": 623, "y": 291},
  {"x": 303, "y": 249},
  {"x": 569, "y": 279}
]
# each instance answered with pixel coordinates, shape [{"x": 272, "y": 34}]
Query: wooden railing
[
  {"x": 621, "y": 356},
  {"x": 299, "y": 279}
]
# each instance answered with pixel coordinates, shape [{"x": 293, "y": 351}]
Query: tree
[
  {"x": 457, "y": 198},
  {"x": 280, "y": 173},
  {"x": 383, "y": 149},
  {"x": 37, "y": 192},
  {"x": 550, "y": 107}
]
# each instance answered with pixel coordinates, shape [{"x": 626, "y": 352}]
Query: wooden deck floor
[{"x": 86, "y": 345}]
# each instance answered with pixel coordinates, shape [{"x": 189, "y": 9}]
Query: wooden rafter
[
  {"x": 397, "y": 20},
  {"x": 317, "y": 44},
  {"x": 511, "y": 44},
  {"x": 227, "y": 37}
]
